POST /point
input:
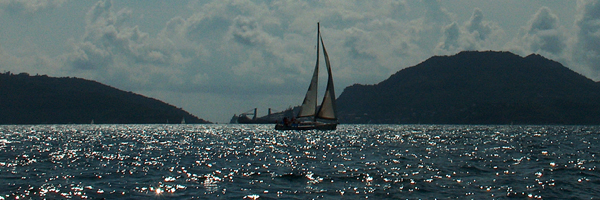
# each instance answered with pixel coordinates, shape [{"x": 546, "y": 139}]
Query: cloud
[
  {"x": 112, "y": 51},
  {"x": 207, "y": 50},
  {"x": 436, "y": 13},
  {"x": 475, "y": 34},
  {"x": 586, "y": 48},
  {"x": 87, "y": 55},
  {"x": 29, "y": 6},
  {"x": 543, "y": 34},
  {"x": 452, "y": 34},
  {"x": 242, "y": 49},
  {"x": 246, "y": 30},
  {"x": 477, "y": 26}
]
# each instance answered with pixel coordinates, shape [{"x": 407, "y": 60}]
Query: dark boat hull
[
  {"x": 255, "y": 121},
  {"x": 311, "y": 126}
]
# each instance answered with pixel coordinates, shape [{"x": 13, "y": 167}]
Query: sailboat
[{"x": 311, "y": 116}]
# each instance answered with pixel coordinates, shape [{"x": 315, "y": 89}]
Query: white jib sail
[{"x": 327, "y": 110}]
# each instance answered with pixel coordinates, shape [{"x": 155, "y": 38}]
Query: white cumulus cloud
[
  {"x": 29, "y": 6},
  {"x": 474, "y": 34},
  {"x": 586, "y": 48}
]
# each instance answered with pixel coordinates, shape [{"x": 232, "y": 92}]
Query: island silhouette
[
  {"x": 476, "y": 88},
  {"x": 38, "y": 99}
]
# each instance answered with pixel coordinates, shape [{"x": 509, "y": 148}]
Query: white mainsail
[{"x": 309, "y": 105}]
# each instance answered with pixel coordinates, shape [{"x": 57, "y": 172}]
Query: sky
[{"x": 224, "y": 57}]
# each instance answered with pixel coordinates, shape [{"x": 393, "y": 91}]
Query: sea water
[{"x": 256, "y": 162}]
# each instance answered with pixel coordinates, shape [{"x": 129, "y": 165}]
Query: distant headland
[
  {"x": 476, "y": 88},
  {"x": 37, "y": 99}
]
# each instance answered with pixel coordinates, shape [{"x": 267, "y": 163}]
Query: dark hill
[
  {"x": 45, "y": 100},
  {"x": 476, "y": 88}
]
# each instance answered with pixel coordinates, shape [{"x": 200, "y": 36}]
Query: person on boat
[
  {"x": 294, "y": 122},
  {"x": 286, "y": 121}
]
